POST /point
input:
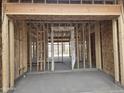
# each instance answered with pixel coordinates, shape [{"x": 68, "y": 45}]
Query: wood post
[
  {"x": 72, "y": 44},
  {"x": 62, "y": 44},
  {"x": 25, "y": 49},
  {"x": 77, "y": 43},
  {"x": 69, "y": 49},
  {"x": 115, "y": 49},
  {"x": 89, "y": 47},
  {"x": 84, "y": 60},
  {"x": 30, "y": 50},
  {"x": 12, "y": 64},
  {"x": 52, "y": 49},
  {"x": 44, "y": 47},
  {"x": 5, "y": 55},
  {"x": 48, "y": 48},
  {"x": 21, "y": 49},
  {"x": 39, "y": 50},
  {"x": 98, "y": 45},
  {"x": 58, "y": 49},
  {"x": 121, "y": 46}
]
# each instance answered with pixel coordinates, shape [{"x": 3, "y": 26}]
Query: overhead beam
[
  {"x": 62, "y": 18},
  {"x": 72, "y": 9}
]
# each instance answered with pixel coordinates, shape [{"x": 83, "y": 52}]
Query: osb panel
[
  {"x": 107, "y": 47},
  {"x": 20, "y": 49}
]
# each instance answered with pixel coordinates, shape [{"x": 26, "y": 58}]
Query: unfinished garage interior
[{"x": 62, "y": 46}]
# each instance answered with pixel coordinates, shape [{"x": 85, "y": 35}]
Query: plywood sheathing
[
  {"x": 107, "y": 47},
  {"x": 20, "y": 48}
]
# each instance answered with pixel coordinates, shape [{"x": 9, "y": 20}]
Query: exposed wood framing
[
  {"x": 30, "y": 51},
  {"x": 72, "y": 44},
  {"x": 84, "y": 55},
  {"x": 115, "y": 49},
  {"x": 58, "y": 48},
  {"x": 17, "y": 57},
  {"x": 20, "y": 48},
  {"x": 12, "y": 63},
  {"x": 98, "y": 45},
  {"x": 52, "y": 50},
  {"x": 62, "y": 44},
  {"x": 89, "y": 45},
  {"x": 25, "y": 48},
  {"x": 48, "y": 61},
  {"x": 121, "y": 46},
  {"x": 77, "y": 45},
  {"x": 39, "y": 51},
  {"x": 69, "y": 49},
  {"x": 76, "y": 9},
  {"x": 5, "y": 55},
  {"x": 44, "y": 47}
]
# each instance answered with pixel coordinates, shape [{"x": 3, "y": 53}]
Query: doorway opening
[{"x": 61, "y": 46}]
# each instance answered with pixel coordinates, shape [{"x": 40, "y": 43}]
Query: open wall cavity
[
  {"x": 61, "y": 46},
  {"x": 58, "y": 45}
]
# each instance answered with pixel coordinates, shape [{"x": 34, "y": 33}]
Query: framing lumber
[
  {"x": 44, "y": 47},
  {"x": 5, "y": 55},
  {"x": 115, "y": 48},
  {"x": 25, "y": 48},
  {"x": 76, "y": 9},
  {"x": 30, "y": 51},
  {"x": 72, "y": 44},
  {"x": 16, "y": 56},
  {"x": 89, "y": 47},
  {"x": 21, "y": 50},
  {"x": 62, "y": 44},
  {"x": 48, "y": 48},
  {"x": 39, "y": 50},
  {"x": 69, "y": 49},
  {"x": 121, "y": 46},
  {"x": 77, "y": 43},
  {"x": 52, "y": 49},
  {"x": 84, "y": 60},
  {"x": 98, "y": 45},
  {"x": 12, "y": 62},
  {"x": 58, "y": 48}
]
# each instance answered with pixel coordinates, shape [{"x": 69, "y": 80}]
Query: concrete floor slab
[{"x": 68, "y": 82}]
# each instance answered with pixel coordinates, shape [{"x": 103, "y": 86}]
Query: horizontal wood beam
[
  {"x": 63, "y": 9},
  {"x": 66, "y": 19}
]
